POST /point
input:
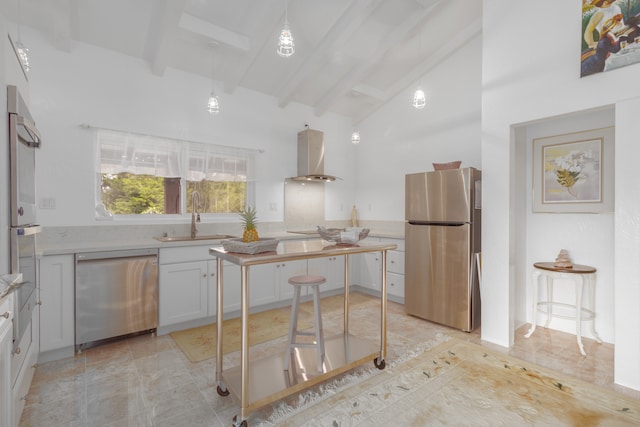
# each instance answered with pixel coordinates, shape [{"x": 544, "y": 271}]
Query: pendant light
[
  {"x": 355, "y": 137},
  {"x": 213, "y": 106},
  {"x": 419, "y": 100},
  {"x": 286, "y": 47},
  {"x": 23, "y": 52}
]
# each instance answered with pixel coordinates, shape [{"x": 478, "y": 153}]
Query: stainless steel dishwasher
[{"x": 116, "y": 294}]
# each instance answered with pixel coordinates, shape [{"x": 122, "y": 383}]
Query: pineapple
[{"x": 249, "y": 222}]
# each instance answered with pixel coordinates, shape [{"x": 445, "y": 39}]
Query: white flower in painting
[{"x": 569, "y": 168}]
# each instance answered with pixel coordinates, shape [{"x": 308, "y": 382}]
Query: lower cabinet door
[
  {"x": 6, "y": 342},
  {"x": 57, "y": 302},
  {"x": 182, "y": 292},
  {"x": 395, "y": 285}
]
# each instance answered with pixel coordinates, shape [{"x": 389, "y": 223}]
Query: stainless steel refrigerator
[{"x": 442, "y": 237}]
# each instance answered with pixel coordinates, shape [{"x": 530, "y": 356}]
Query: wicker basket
[
  {"x": 343, "y": 236},
  {"x": 259, "y": 246}
]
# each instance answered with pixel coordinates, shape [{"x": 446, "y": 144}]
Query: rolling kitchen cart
[{"x": 263, "y": 381}]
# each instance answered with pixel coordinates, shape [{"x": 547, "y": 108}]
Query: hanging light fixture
[
  {"x": 23, "y": 52},
  {"x": 355, "y": 137},
  {"x": 419, "y": 100},
  {"x": 286, "y": 48},
  {"x": 213, "y": 106}
]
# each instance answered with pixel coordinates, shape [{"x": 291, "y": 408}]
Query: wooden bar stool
[{"x": 314, "y": 283}]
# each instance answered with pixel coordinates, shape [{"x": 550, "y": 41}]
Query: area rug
[
  {"x": 199, "y": 343},
  {"x": 456, "y": 383}
]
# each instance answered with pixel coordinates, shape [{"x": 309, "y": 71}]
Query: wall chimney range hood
[{"x": 311, "y": 157}]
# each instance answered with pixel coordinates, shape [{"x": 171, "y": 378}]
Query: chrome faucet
[{"x": 195, "y": 214}]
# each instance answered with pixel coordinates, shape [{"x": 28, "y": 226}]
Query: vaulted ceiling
[{"x": 351, "y": 56}]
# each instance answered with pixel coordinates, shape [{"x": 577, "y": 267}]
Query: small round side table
[{"x": 581, "y": 275}]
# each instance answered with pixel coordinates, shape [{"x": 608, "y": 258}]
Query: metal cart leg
[
  {"x": 346, "y": 294},
  {"x": 222, "y": 389},
  {"x": 244, "y": 334},
  {"x": 379, "y": 362}
]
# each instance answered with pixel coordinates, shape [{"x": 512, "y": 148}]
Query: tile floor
[{"x": 147, "y": 380}]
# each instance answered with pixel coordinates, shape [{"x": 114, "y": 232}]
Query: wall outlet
[{"x": 47, "y": 203}]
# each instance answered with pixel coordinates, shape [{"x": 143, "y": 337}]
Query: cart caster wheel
[
  {"x": 222, "y": 392},
  {"x": 242, "y": 424},
  {"x": 380, "y": 364}
]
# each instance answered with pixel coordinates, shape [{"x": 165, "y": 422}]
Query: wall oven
[
  {"x": 23, "y": 260},
  {"x": 24, "y": 139}
]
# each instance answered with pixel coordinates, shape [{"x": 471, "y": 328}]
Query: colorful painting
[
  {"x": 610, "y": 35},
  {"x": 573, "y": 172}
]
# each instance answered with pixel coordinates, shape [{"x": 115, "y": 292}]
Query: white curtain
[
  {"x": 150, "y": 155},
  {"x": 215, "y": 163}
]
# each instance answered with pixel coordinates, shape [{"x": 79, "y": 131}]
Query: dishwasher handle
[{"x": 128, "y": 253}]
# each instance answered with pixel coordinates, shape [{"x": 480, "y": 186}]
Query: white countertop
[
  {"x": 293, "y": 250},
  {"x": 71, "y": 247}
]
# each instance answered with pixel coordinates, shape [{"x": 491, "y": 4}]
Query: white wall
[
  {"x": 398, "y": 139},
  {"x": 531, "y": 74},
  {"x": 105, "y": 89}
]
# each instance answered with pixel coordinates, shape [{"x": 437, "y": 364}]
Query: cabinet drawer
[
  {"x": 395, "y": 284},
  {"x": 399, "y": 243},
  {"x": 184, "y": 254},
  {"x": 395, "y": 262}
]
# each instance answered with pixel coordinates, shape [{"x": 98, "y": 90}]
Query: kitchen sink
[{"x": 198, "y": 237}]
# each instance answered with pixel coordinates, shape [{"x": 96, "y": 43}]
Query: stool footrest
[
  {"x": 306, "y": 334},
  {"x": 303, "y": 345}
]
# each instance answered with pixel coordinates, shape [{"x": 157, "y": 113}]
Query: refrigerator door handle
[{"x": 438, "y": 223}]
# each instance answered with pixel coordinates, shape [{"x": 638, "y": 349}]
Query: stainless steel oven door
[
  {"x": 23, "y": 260},
  {"x": 24, "y": 138}
]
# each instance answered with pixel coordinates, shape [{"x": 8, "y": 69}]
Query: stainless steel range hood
[{"x": 311, "y": 157}]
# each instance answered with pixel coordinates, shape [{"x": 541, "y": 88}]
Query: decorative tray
[
  {"x": 261, "y": 245},
  {"x": 343, "y": 236}
]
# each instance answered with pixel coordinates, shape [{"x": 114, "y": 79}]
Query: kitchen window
[{"x": 148, "y": 175}]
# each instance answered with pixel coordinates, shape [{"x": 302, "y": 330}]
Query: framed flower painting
[{"x": 574, "y": 172}]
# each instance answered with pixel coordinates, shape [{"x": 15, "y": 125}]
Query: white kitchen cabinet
[
  {"x": 231, "y": 291},
  {"x": 57, "y": 304},
  {"x": 395, "y": 271},
  {"x": 187, "y": 286},
  {"x": 25, "y": 369},
  {"x": 283, "y": 271},
  {"x": 367, "y": 270},
  {"x": 395, "y": 275},
  {"x": 332, "y": 268},
  {"x": 395, "y": 287},
  {"x": 183, "y": 292},
  {"x": 263, "y": 287},
  {"x": 395, "y": 262},
  {"x": 6, "y": 343},
  {"x": 370, "y": 271}
]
